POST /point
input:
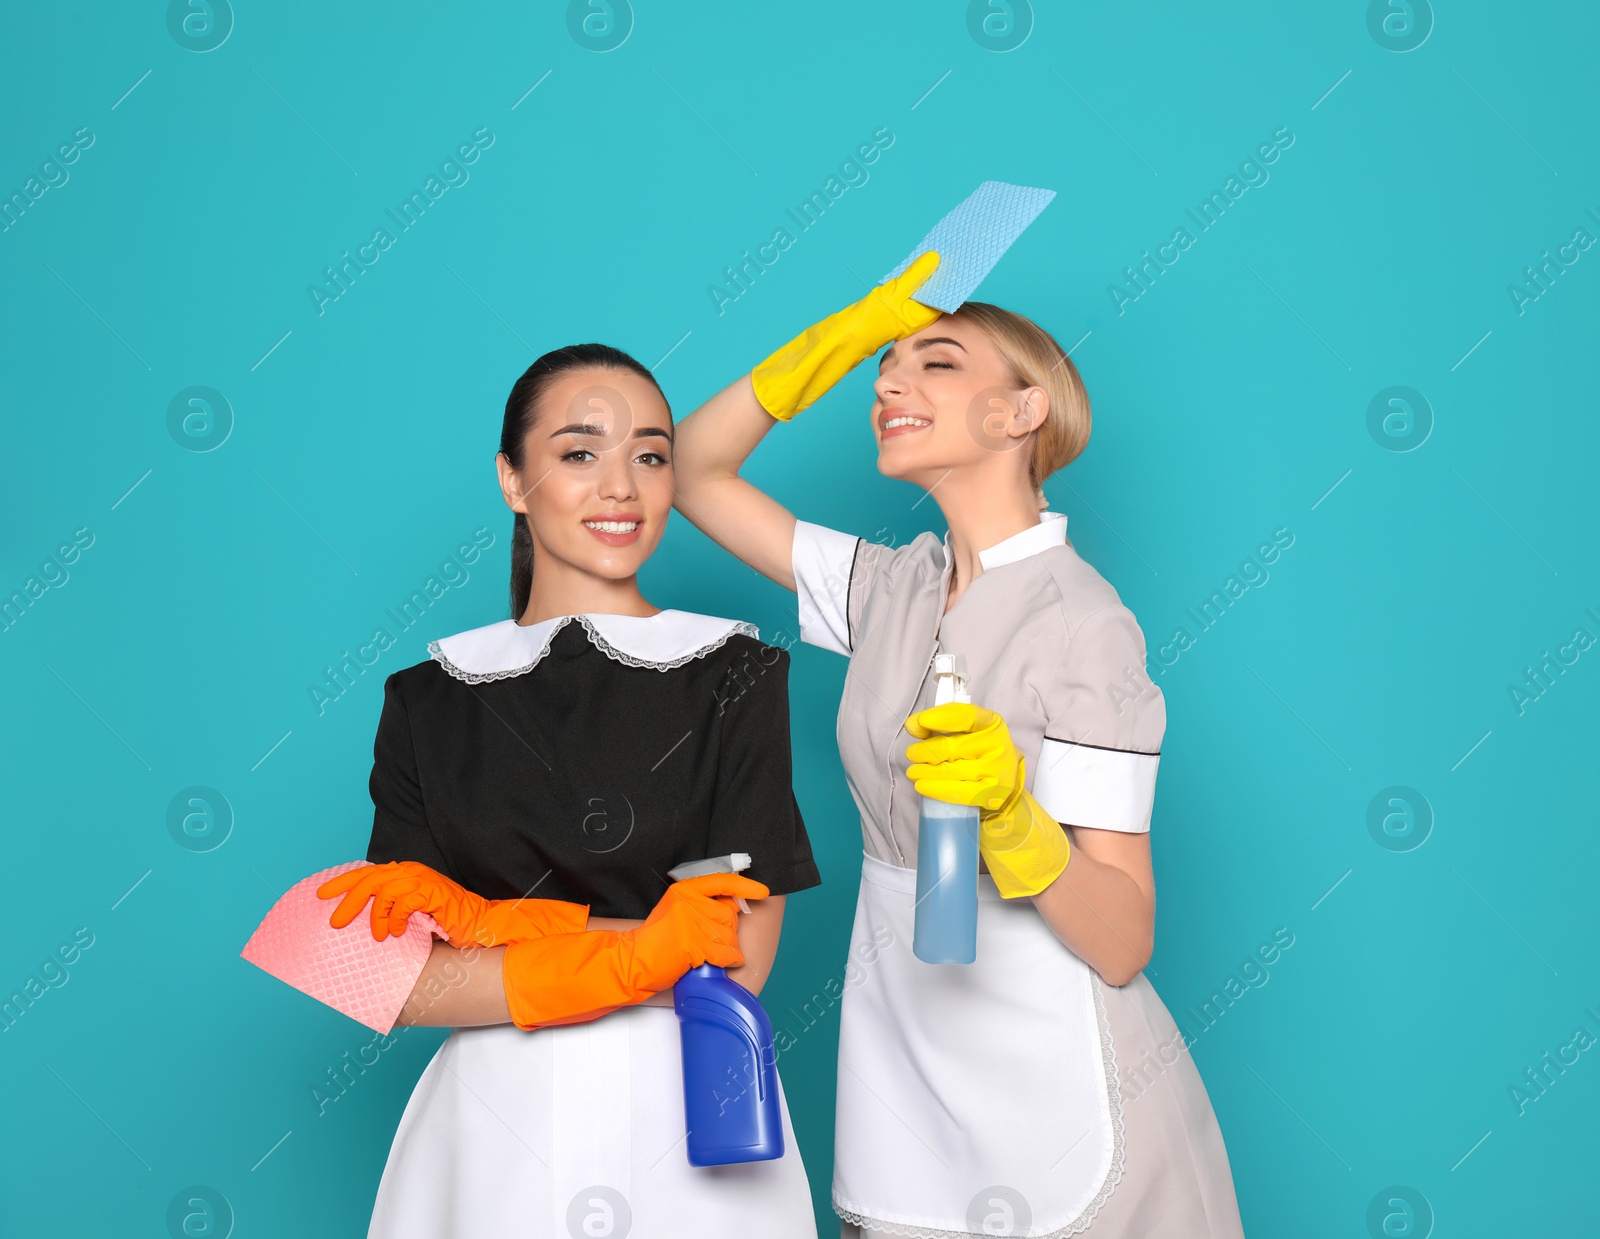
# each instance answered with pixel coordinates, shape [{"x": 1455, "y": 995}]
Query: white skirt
[{"x": 572, "y": 1131}]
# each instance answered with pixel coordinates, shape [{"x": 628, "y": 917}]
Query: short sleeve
[
  {"x": 754, "y": 808},
  {"x": 400, "y": 828},
  {"x": 822, "y": 560},
  {"x": 834, "y": 573},
  {"x": 1105, "y": 719}
]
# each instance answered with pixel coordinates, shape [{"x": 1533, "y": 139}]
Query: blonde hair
[{"x": 1036, "y": 359}]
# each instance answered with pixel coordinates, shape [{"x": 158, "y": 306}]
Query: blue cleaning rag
[{"x": 972, "y": 238}]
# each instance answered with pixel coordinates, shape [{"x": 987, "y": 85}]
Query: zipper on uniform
[
  {"x": 893, "y": 774},
  {"x": 933, "y": 650}
]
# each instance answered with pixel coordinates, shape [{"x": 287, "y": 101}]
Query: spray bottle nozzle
[
  {"x": 734, "y": 862},
  {"x": 950, "y": 679}
]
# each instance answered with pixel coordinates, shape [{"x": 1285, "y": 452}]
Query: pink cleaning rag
[{"x": 347, "y": 968}]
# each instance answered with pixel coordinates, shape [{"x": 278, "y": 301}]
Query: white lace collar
[{"x": 665, "y": 640}]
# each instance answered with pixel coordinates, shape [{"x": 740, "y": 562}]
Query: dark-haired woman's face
[{"x": 597, "y": 476}]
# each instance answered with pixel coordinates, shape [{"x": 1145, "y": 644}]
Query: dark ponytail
[{"x": 522, "y": 410}]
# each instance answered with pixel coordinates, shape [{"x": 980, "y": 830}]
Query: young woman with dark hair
[{"x": 533, "y": 782}]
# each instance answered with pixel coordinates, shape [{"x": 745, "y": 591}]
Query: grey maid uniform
[{"x": 1020, "y": 1094}]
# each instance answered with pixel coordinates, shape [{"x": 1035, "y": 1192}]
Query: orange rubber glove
[
  {"x": 974, "y": 762},
  {"x": 570, "y": 978},
  {"x": 399, "y": 888},
  {"x": 801, "y": 372}
]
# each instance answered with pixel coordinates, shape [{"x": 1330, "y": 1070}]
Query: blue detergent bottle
[
  {"x": 730, "y": 1066},
  {"x": 945, "y": 925}
]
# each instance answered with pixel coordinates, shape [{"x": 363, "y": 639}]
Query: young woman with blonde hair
[{"x": 983, "y": 1098}]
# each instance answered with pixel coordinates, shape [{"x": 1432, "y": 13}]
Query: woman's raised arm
[
  {"x": 714, "y": 441},
  {"x": 709, "y": 448}
]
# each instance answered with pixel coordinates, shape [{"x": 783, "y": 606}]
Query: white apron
[
  {"x": 973, "y": 1099},
  {"x": 572, "y": 1131}
]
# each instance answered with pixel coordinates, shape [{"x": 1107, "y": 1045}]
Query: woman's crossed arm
[{"x": 466, "y": 988}]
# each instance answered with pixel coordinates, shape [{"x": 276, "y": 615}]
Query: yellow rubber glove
[
  {"x": 399, "y": 888},
  {"x": 964, "y": 755},
  {"x": 799, "y": 373}
]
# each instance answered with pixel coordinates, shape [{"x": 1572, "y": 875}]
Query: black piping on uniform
[
  {"x": 1105, "y": 748},
  {"x": 849, "y": 637}
]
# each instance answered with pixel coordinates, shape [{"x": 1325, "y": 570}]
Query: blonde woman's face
[
  {"x": 596, "y": 481},
  {"x": 945, "y": 400}
]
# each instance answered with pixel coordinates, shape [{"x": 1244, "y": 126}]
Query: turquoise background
[{"x": 1377, "y": 1059}]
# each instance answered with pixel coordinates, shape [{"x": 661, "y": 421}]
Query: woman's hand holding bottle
[
  {"x": 695, "y": 923},
  {"x": 964, "y": 755},
  {"x": 570, "y": 978}
]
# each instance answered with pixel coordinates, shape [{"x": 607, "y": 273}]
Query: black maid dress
[{"x": 580, "y": 758}]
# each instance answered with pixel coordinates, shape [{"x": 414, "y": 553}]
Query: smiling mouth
[
  {"x": 616, "y": 532},
  {"x": 904, "y": 423}
]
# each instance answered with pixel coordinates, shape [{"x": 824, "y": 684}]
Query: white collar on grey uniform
[
  {"x": 1050, "y": 531},
  {"x": 664, "y": 640}
]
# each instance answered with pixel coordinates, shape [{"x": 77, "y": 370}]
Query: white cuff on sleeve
[
  {"x": 1107, "y": 789},
  {"x": 822, "y": 560}
]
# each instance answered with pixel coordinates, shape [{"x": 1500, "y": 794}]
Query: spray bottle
[
  {"x": 730, "y": 1068},
  {"x": 946, "y": 925}
]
